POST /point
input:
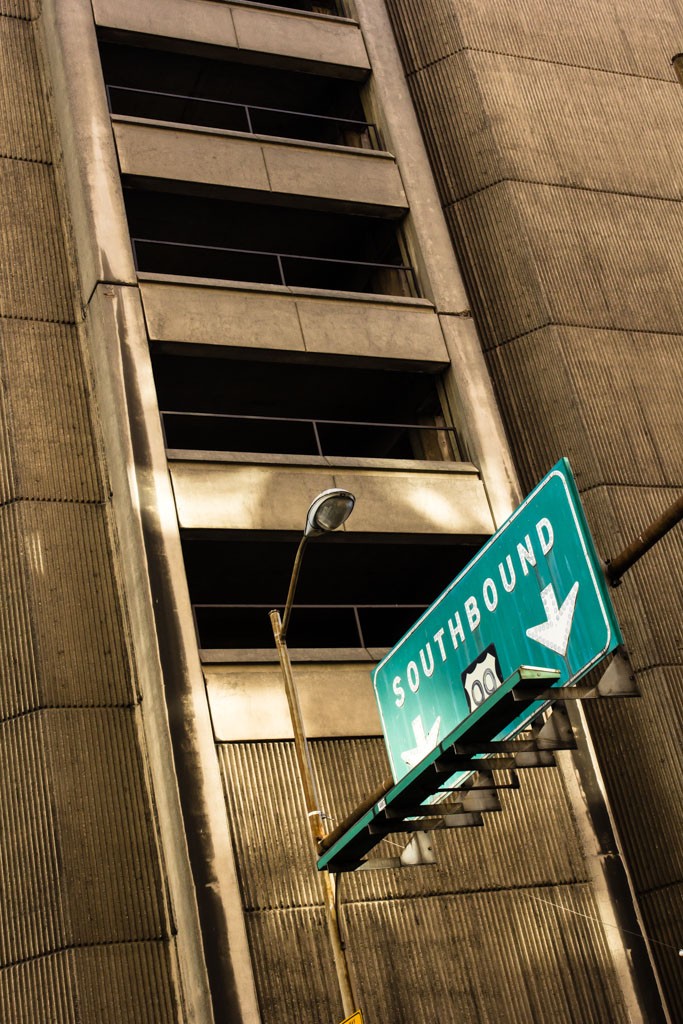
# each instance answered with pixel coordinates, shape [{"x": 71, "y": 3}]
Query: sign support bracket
[
  {"x": 345, "y": 848},
  {"x": 618, "y": 680},
  {"x": 412, "y": 806}
]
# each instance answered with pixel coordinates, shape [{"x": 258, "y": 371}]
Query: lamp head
[{"x": 329, "y": 511}]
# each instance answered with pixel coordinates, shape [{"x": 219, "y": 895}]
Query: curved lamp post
[{"x": 327, "y": 513}]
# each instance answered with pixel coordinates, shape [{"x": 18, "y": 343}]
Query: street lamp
[{"x": 327, "y": 513}]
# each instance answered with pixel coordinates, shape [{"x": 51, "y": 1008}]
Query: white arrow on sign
[
  {"x": 425, "y": 742},
  {"x": 554, "y": 632}
]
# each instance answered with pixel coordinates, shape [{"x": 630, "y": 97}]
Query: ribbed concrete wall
[
  {"x": 85, "y": 933},
  {"x": 501, "y": 928},
  {"x": 556, "y": 136}
]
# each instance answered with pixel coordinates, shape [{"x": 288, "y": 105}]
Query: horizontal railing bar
[
  {"x": 243, "y": 106},
  {"x": 324, "y": 607},
  {"x": 283, "y": 255},
  {"x": 297, "y": 419},
  {"x": 335, "y": 10},
  {"x": 415, "y": 609}
]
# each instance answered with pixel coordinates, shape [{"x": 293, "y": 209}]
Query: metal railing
[
  {"x": 350, "y": 626},
  {"x": 317, "y": 444},
  {"x": 344, "y": 131},
  {"x": 273, "y": 268},
  {"x": 329, "y": 8}
]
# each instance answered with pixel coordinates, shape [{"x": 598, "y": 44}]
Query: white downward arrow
[
  {"x": 424, "y": 742},
  {"x": 554, "y": 633}
]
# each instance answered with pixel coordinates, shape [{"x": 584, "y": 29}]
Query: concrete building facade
[
  {"x": 250, "y": 252},
  {"x": 554, "y": 139}
]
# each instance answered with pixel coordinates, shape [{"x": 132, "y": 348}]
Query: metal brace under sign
[{"x": 405, "y": 807}]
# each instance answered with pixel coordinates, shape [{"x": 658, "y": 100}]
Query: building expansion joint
[
  {"x": 40, "y": 319},
  {"x": 26, "y": 160},
  {"x": 22, "y": 17},
  {"x": 437, "y": 60},
  {"x": 564, "y": 186},
  {"x": 73, "y": 946},
  {"x": 289, "y": 908},
  {"x": 35, "y": 500},
  {"x": 543, "y": 60},
  {"x": 484, "y": 890},
  {"x": 653, "y": 890},
  {"x": 654, "y": 666},
  {"x": 39, "y": 709},
  {"x": 630, "y": 486},
  {"x": 492, "y": 345}
]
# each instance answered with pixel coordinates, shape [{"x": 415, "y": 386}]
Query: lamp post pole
[
  {"x": 321, "y": 518},
  {"x": 313, "y": 814}
]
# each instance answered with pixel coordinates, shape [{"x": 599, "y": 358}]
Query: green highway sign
[{"x": 534, "y": 594}]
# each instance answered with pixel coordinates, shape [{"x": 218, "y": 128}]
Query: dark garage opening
[
  {"x": 201, "y": 236},
  {"x": 163, "y": 85},
  {"x": 242, "y": 405},
  {"x": 352, "y": 593}
]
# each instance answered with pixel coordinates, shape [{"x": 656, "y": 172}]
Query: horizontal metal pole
[
  {"x": 282, "y": 255},
  {"x": 242, "y": 106},
  {"x": 303, "y": 420},
  {"x": 406, "y": 607},
  {"x": 334, "y": 9},
  {"x": 621, "y": 563}
]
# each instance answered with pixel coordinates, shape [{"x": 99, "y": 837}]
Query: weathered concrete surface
[
  {"x": 165, "y": 651},
  {"x": 259, "y": 316},
  {"x": 555, "y": 135},
  {"x": 330, "y": 45},
  {"x": 87, "y": 925},
  {"x": 467, "y": 381},
  {"x": 221, "y": 496},
  {"x": 103, "y": 549},
  {"x": 91, "y": 175},
  {"x": 248, "y": 702},
  {"x": 213, "y": 158}
]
